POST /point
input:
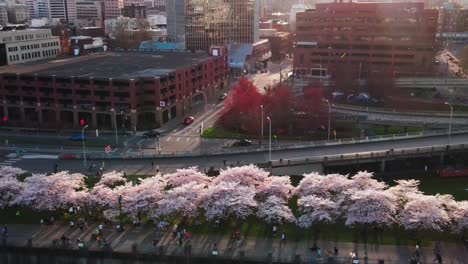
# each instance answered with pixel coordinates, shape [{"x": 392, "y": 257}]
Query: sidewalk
[{"x": 140, "y": 240}]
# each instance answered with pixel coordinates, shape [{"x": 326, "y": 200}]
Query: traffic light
[{"x": 82, "y": 122}]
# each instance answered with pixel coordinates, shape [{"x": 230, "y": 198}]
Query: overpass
[
  {"x": 431, "y": 83},
  {"x": 138, "y": 165},
  {"x": 414, "y": 118}
]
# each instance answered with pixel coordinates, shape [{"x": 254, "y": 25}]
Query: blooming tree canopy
[
  {"x": 183, "y": 200},
  {"x": 249, "y": 175},
  {"x": 371, "y": 207},
  {"x": 404, "y": 191},
  {"x": 363, "y": 181},
  {"x": 112, "y": 179},
  {"x": 275, "y": 210},
  {"x": 10, "y": 189},
  {"x": 327, "y": 186},
  {"x": 316, "y": 209},
  {"x": 227, "y": 199},
  {"x": 141, "y": 197},
  {"x": 276, "y": 186},
  {"x": 424, "y": 212},
  {"x": 8, "y": 171},
  {"x": 460, "y": 216},
  {"x": 57, "y": 191},
  {"x": 184, "y": 176}
]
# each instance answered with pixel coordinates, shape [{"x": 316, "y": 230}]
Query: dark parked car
[
  {"x": 242, "y": 143},
  {"x": 222, "y": 97},
  {"x": 151, "y": 134},
  {"x": 77, "y": 137},
  {"x": 188, "y": 120}
]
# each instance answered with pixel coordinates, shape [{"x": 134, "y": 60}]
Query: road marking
[
  {"x": 168, "y": 139},
  {"x": 177, "y": 139}
]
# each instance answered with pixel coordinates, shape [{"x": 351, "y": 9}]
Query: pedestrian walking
[
  {"x": 72, "y": 224},
  {"x": 155, "y": 242},
  {"x": 157, "y": 169},
  {"x": 335, "y": 249},
  {"x": 55, "y": 168},
  {"x": 283, "y": 238},
  {"x": 5, "y": 231},
  {"x": 152, "y": 165},
  {"x": 274, "y": 230}
]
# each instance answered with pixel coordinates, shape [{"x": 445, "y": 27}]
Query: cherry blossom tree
[
  {"x": 249, "y": 175},
  {"x": 371, "y": 207},
  {"x": 274, "y": 210},
  {"x": 460, "y": 216},
  {"x": 315, "y": 209},
  {"x": 112, "y": 179},
  {"x": 183, "y": 200},
  {"x": 57, "y": 191},
  {"x": 424, "y": 212},
  {"x": 142, "y": 197},
  {"x": 184, "y": 176},
  {"x": 8, "y": 171},
  {"x": 10, "y": 189},
  {"x": 363, "y": 180},
  {"x": 227, "y": 199},
  {"x": 276, "y": 186},
  {"x": 404, "y": 190},
  {"x": 327, "y": 186}
]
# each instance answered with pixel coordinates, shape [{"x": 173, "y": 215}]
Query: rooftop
[{"x": 116, "y": 65}]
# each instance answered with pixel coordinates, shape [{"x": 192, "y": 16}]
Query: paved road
[
  {"x": 272, "y": 76},
  {"x": 143, "y": 166},
  {"x": 395, "y": 117},
  {"x": 253, "y": 247}
]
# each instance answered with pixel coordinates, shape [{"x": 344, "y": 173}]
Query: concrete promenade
[{"x": 140, "y": 240}]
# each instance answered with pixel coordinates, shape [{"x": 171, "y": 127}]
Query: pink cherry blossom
[
  {"x": 8, "y": 171},
  {"x": 316, "y": 209},
  {"x": 227, "y": 199},
  {"x": 372, "y": 207},
  {"x": 460, "y": 216},
  {"x": 249, "y": 175},
  {"x": 332, "y": 185},
  {"x": 277, "y": 186},
  {"x": 112, "y": 179},
  {"x": 183, "y": 200},
  {"x": 363, "y": 180},
  {"x": 424, "y": 212},
  {"x": 184, "y": 176},
  {"x": 10, "y": 189},
  {"x": 274, "y": 210}
]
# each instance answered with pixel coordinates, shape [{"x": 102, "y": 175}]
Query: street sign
[{"x": 108, "y": 149}]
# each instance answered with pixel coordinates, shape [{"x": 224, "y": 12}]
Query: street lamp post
[
  {"x": 269, "y": 150},
  {"x": 329, "y": 113},
  {"x": 83, "y": 141},
  {"x": 450, "y": 122},
  {"x": 115, "y": 125},
  {"x": 261, "y": 138}
]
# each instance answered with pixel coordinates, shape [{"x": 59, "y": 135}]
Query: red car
[{"x": 188, "y": 120}]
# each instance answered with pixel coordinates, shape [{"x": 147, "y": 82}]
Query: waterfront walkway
[{"x": 146, "y": 240}]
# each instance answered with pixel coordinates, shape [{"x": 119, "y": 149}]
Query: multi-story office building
[
  {"x": 134, "y": 11},
  {"x": 132, "y": 2},
  {"x": 354, "y": 41},
  {"x": 20, "y": 46},
  {"x": 38, "y": 8},
  {"x": 63, "y": 9},
  {"x": 18, "y": 14},
  {"x": 159, "y": 4},
  {"x": 217, "y": 22},
  {"x": 91, "y": 10},
  {"x": 452, "y": 18},
  {"x": 151, "y": 88},
  {"x": 112, "y": 9},
  {"x": 175, "y": 10},
  {"x": 3, "y": 15}
]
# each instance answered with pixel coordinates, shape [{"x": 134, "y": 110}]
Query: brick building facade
[
  {"x": 354, "y": 41},
  {"x": 149, "y": 88}
]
